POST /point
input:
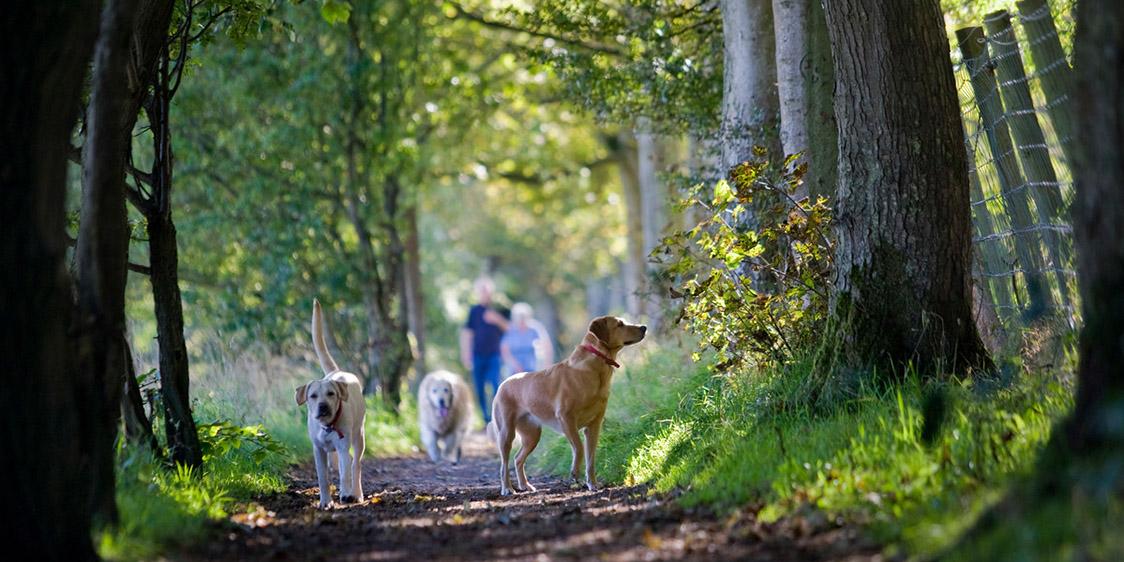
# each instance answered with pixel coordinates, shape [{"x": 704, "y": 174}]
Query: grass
[{"x": 737, "y": 439}]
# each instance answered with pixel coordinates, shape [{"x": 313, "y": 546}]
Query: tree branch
[
  {"x": 138, "y": 268},
  {"x": 465, "y": 14}
]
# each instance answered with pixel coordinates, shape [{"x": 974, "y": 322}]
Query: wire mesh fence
[{"x": 1014, "y": 82}]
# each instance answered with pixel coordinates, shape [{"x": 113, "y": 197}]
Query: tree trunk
[
  {"x": 415, "y": 299},
  {"x": 103, "y": 249},
  {"x": 636, "y": 264},
  {"x": 819, "y": 83},
  {"x": 179, "y": 425},
  {"x": 163, "y": 255},
  {"x": 749, "y": 94},
  {"x": 654, "y": 202},
  {"x": 791, "y": 33},
  {"x": 44, "y": 50},
  {"x": 1099, "y": 232},
  {"x": 904, "y": 238}
]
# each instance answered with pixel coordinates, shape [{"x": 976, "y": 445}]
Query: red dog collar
[{"x": 608, "y": 360}]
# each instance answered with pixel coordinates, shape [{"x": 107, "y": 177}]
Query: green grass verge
[
  {"x": 736, "y": 439},
  {"x": 164, "y": 508}
]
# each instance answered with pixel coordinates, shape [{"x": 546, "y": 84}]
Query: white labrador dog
[
  {"x": 444, "y": 414},
  {"x": 335, "y": 420}
]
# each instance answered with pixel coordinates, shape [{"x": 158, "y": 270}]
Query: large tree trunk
[
  {"x": 749, "y": 94},
  {"x": 1099, "y": 232},
  {"x": 103, "y": 248},
  {"x": 44, "y": 50},
  {"x": 791, "y": 32},
  {"x": 904, "y": 238}
]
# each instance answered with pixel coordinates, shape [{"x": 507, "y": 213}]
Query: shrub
[{"x": 752, "y": 276}]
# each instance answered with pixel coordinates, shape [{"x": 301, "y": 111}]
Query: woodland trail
[{"x": 415, "y": 510}]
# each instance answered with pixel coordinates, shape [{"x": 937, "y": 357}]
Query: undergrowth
[{"x": 753, "y": 439}]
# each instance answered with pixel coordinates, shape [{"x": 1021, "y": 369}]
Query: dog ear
[
  {"x": 301, "y": 398},
  {"x": 342, "y": 390},
  {"x": 601, "y": 327}
]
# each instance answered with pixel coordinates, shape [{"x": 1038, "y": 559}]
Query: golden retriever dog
[
  {"x": 568, "y": 396},
  {"x": 444, "y": 414},
  {"x": 335, "y": 420}
]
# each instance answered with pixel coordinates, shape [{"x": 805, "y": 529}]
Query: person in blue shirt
[
  {"x": 525, "y": 345},
  {"x": 480, "y": 345}
]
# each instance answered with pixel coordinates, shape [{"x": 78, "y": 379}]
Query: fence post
[
  {"x": 1031, "y": 143},
  {"x": 990, "y": 259},
  {"x": 1052, "y": 67},
  {"x": 971, "y": 40}
]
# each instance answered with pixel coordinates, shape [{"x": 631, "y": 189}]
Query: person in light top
[{"x": 525, "y": 345}]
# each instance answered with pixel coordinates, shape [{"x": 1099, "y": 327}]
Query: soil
[{"x": 416, "y": 510}]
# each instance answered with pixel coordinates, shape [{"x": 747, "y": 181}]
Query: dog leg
[
  {"x": 429, "y": 439},
  {"x": 529, "y": 435},
  {"x": 360, "y": 446},
  {"x": 460, "y": 439},
  {"x": 450, "y": 445},
  {"x": 570, "y": 430},
  {"x": 592, "y": 434},
  {"x": 347, "y": 482},
  {"x": 322, "y": 469},
  {"x": 506, "y": 436}
]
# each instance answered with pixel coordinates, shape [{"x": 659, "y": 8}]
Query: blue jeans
[{"x": 486, "y": 369}]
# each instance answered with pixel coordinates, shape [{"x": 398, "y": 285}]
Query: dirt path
[{"x": 417, "y": 511}]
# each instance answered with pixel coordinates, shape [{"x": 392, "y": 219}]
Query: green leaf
[
  {"x": 723, "y": 194},
  {"x": 335, "y": 11}
]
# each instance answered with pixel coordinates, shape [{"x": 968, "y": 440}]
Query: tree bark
[
  {"x": 1099, "y": 232},
  {"x": 44, "y": 50},
  {"x": 904, "y": 238},
  {"x": 179, "y": 425},
  {"x": 749, "y": 95},
  {"x": 819, "y": 83},
  {"x": 791, "y": 33},
  {"x": 103, "y": 249}
]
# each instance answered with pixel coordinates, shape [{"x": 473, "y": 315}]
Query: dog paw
[
  {"x": 529, "y": 488},
  {"x": 592, "y": 486},
  {"x": 347, "y": 499},
  {"x": 324, "y": 505},
  {"x": 505, "y": 492}
]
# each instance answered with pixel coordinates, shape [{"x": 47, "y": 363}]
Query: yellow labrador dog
[
  {"x": 335, "y": 420},
  {"x": 444, "y": 414},
  {"x": 568, "y": 396}
]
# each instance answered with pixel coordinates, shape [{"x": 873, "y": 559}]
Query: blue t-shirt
[
  {"x": 485, "y": 336},
  {"x": 521, "y": 344}
]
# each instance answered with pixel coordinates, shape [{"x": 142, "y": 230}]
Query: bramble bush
[{"x": 753, "y": 275}]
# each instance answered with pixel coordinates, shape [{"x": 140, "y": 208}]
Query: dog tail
[{"x": 326, "y": 362}]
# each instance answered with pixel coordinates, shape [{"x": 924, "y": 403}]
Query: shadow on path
[{"x": 415, "y": 510}]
